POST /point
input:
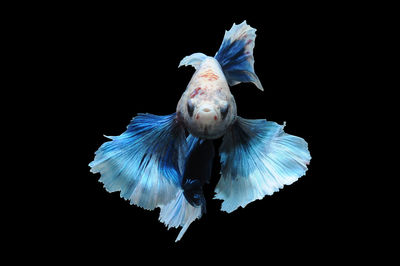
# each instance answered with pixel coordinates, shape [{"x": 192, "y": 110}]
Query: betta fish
[{"x": 164, "y": 161}]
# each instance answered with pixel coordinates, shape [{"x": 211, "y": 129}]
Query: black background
[{"x": 105, "y": 65}]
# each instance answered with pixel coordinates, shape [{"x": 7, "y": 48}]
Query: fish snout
[{"x": 206, "y": 115}]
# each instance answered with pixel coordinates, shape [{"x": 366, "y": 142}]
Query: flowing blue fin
[
  {"x": 197, "y": 172},
  {"x": 258, "y": 158},
  {"x": 190, "y": 203},
  {"x": 179, "y": 212},
  {"x": 191, "y": 142},
  {"x": 145, "y": 162},
  {"x": 199, "y": 159},
  {"x": 192, "y": 183},
  {"x": 236, "y": 55}
]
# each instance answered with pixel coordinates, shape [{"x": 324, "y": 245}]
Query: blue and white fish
[{"x": 164, "y": 161}]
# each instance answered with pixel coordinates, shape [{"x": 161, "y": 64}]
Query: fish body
[{"x": 164, "y": 161}]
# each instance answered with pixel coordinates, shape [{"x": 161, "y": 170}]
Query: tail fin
[{"x": 236, "y": 55}]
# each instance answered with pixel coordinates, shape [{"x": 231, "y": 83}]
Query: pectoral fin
[{"x": 258, "y": 158}]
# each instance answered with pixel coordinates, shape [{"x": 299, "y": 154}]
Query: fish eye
[
  {"x": 190, "y": 108},
  {"x": 224, "y": 111}
]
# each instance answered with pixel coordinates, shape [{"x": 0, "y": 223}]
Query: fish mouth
[{"x": 206, "y": 115}]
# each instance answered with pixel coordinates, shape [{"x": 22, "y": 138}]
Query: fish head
[{"x": 208, "y": 114}]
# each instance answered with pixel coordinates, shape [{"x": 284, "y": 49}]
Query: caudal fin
[{"x": 236, "y": 55}]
